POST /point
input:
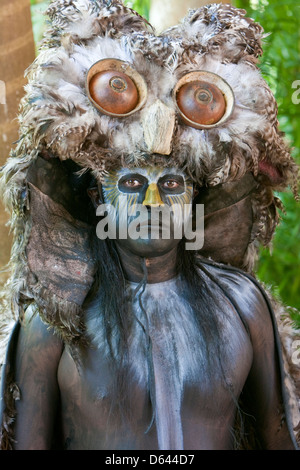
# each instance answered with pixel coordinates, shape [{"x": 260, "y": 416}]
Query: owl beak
[
  {"x": 152, "y": 197},
  {"x": 158, "y": 124}
]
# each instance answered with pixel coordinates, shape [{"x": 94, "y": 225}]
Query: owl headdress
[{"x": 105, "y": 91}]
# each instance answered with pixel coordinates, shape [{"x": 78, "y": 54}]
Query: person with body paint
[
  {"x": 175, "y": 354},
  {"x": 128, "y": 333}
]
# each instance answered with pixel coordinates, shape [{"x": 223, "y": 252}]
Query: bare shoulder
[
  {"x": 31, "y": 372},
  {"x": 247, "y": 296},
  {"x": 35, "y": 334},
  {"x": 265, "y": 395}
]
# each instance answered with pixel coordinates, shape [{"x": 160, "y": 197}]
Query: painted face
[{"x": 148, "y": 207}]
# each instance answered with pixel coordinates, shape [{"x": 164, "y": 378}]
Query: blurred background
[{"x": 21, "y": 27}]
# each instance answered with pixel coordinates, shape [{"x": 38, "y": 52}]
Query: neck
[{"x": 159, "y": 268}]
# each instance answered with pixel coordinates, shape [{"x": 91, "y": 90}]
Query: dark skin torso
[
  {"x": 46, "y": 370},
  {"x": 207, "y": 410}
]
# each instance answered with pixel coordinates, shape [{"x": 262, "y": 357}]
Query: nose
[
  {"x": 158, "y": 124},
  {"x": 152, "y": 196}
]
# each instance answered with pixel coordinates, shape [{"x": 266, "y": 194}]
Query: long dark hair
[
  {"x": 201, "y": 292},
  {"x": 117, "y": 315}
]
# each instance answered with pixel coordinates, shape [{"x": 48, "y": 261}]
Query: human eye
[
  {"x": 132, "y": 183},
  {"x": 170, "y": 184}
]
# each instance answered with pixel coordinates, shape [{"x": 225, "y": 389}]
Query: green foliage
[
  {"x": 38, "y": 18},
  {"x": 141, "y": 6}
]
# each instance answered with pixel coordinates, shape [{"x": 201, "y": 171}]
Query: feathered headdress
[{"x": 237, "y": 159}]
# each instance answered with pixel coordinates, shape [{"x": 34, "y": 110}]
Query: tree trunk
[
  {"x": 166, "y": 13},
  {"x": 16, "y": 54}
]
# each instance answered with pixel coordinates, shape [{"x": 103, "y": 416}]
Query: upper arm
[
  {"x": 263, "y": 391},
  {"x": 37, "y": 357}
]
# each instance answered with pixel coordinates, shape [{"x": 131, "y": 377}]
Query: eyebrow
[{"x": 172, "y": 175}]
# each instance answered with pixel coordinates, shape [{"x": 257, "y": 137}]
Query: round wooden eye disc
[
  {"x": 201, "y": 102},
  {"x": 114, "y": 91},
  {"x": 203, "y": 99}
]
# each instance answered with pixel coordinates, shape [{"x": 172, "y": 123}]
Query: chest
[{"x": 181, "y": 365}]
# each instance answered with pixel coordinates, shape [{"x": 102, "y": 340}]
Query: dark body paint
[{"x": 196, "y": 387}]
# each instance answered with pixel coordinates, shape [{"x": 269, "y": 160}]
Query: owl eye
[
  {"x": 203, "y": 99},
  {"x": 115, "y": 88}
]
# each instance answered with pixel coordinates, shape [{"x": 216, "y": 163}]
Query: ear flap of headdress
[
  {"x": 222, "y": 31},
  {"x": 85, "y": 19},
  {"x": 229, "y": 221},
  {"x": 60, "y": 264}
]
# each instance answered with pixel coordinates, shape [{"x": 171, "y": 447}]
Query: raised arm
[{"x": 37, "y": 357}]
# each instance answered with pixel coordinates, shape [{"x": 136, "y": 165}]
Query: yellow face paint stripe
[{"x": 181, "y": 199}]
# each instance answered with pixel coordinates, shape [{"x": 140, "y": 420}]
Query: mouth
[
  {"x": 154, "y": 223},
  {"x": 152, "y": 227}
]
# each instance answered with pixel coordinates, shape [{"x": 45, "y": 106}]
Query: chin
[{"x": 148, "y": 248}]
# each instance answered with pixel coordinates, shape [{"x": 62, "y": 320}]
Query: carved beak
[
  {"x": 158, "y": 124},
  {"x": 152, "y": 197}
]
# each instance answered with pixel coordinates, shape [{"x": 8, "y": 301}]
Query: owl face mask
[
  {"x": 148, "y": 209},
  {"x": 107, "y": 91}
]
